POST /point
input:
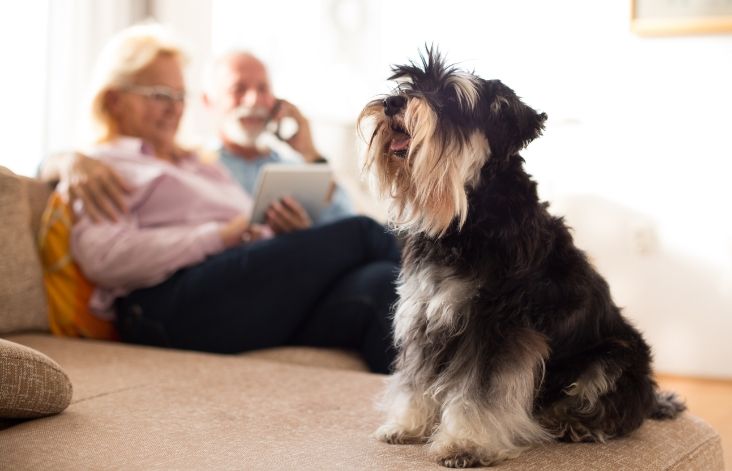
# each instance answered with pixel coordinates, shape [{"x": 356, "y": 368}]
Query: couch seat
[{"x": 146, "y": 408}]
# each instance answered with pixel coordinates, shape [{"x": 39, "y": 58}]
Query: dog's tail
[{"x": 668, "y": 405}]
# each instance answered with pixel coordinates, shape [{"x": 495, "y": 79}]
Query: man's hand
[
  {"x": 287, "y": 215},
  {"x": 99, "y": 187},
  {"x": 302, "y": 141}
]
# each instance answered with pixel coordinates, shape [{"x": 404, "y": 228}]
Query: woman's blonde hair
[{"x": 123, "y": 57}]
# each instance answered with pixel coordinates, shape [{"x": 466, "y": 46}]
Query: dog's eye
[{"x": 403, "y": 88}]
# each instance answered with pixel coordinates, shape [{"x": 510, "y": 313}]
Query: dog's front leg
[
  {"x": 411, "y": 413},
  {"x": 476, "y": 431},
  {"x": 487, "y": 415}
]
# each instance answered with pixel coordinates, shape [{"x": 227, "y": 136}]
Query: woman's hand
[
  {"x": 234, "y": 232},
  {"x": 287, "y": 215},
  {"x": 255, "y": 232},
  {"x": 99, "y": 187}
]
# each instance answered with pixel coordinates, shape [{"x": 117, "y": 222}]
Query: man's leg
[{"x": 356, "y": 314}]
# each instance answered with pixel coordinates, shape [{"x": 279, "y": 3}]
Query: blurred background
[{"x": 637, "y": 153}]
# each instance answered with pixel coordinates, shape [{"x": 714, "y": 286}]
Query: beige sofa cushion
[
  {"x": 145, "y": 408},
  {"x": 321, "y": 357},
  {"x": 22, "y": 297},
  {"x": 31, "y": 384},
  {"x": 38, "y": 193}
]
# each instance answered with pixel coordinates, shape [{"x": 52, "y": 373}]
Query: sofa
[{"x": 71, "y": 403}]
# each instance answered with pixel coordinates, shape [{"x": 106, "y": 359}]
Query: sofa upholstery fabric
[
  {"x": 146, "y": 408},
  {"x": 22, "y": 297},
  {"x": 31, "y": 384}
]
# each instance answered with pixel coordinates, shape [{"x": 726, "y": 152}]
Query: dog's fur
[{"x": 507, "y": 336}]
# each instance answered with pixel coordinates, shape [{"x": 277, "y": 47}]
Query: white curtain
[
  {"x": 49, "y": 48},
  {"x": 77, "y": 31},
  {"x": 23, "y": 48}
]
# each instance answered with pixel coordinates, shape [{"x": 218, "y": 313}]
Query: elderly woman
[{"x": 183, "y": 267}]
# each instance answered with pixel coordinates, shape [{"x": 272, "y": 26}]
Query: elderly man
[{"x": 238, "y": 94}]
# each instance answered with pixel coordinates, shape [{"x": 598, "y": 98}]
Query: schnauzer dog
[{"x": 507, "y": 335}]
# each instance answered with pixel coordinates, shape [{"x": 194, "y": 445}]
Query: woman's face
[{"x": 151, "y": 106}]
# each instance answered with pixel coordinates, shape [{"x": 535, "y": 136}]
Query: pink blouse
[{"x": 174, "y": 215}]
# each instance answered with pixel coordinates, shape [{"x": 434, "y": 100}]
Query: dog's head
[{"x": 434, "y": 133}]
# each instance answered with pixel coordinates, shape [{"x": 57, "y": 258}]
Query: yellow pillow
[{"x": 67, "y": 289}]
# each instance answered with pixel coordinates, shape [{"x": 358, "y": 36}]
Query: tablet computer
[{"x": 309, "y": 184}]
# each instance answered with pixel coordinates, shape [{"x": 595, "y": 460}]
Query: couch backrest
[
  {"x": 22, "y": 296},
  {"x": 38, "y": 193}
]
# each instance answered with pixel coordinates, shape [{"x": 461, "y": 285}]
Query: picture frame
[{"x": 680, "y": 17}]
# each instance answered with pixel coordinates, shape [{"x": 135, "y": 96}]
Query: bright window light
[{"x": 23, "y": 48}]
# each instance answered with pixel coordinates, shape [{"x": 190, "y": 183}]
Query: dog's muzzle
[
  {"x": 399, "y": 139},
  {"x": 393, "y": 104}
]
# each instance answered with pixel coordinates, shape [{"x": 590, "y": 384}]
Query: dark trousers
[{"x": 329, "y": 286}]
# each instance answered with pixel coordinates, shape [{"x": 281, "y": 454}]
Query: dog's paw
[
  {"x": 459, "y": 460},
  {"x": 394, "y": 435}
]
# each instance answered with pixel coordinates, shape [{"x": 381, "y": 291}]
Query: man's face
[{"x": 241, "y": 99}]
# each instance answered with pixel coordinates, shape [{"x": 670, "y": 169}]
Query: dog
[{"x": 507, "y": 336}]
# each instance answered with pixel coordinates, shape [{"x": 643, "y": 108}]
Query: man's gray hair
[{"x": 214, "y": 64}]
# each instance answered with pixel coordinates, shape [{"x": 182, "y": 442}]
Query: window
[{"x": 23, "y": 86}]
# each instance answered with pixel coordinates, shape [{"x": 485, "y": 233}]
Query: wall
[{"x": 637, "y": 152}]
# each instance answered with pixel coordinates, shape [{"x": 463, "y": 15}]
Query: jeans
[{"x": 328, "y": 286}]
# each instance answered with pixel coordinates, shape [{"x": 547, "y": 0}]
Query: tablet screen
[{"x": 306, "y": 183}]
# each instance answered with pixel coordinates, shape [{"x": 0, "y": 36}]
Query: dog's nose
[{"x": 393, "y": 104}]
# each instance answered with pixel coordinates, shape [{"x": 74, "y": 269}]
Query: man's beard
[{"x": 243, "y": 135}]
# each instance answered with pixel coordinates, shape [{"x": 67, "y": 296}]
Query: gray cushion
[
  {"x": 31, "y": 384},
  {"x": 22, "y": 296}
]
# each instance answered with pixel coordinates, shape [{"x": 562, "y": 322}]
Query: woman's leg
[{"x": 253, "y": 296}]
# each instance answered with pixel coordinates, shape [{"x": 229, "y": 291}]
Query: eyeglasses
[{"x": 159, "y": 93}]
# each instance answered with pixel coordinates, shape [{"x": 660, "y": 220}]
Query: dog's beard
[
  {"x": 237, "y": 131},
  {"x": 426, "y": 180}
]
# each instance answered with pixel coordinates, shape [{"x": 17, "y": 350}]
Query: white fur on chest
[{"x": 434, "y": 295}]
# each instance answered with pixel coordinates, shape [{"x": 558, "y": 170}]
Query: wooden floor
[{"x": 709, "y": 399}]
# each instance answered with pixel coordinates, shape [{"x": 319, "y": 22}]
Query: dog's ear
[{"x": 510, "y": 123}]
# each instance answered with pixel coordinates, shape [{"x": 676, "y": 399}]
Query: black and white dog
[{"x": 507, "y": 336}]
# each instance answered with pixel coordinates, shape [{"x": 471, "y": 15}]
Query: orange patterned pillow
[{"x": 67, "y": 289}]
